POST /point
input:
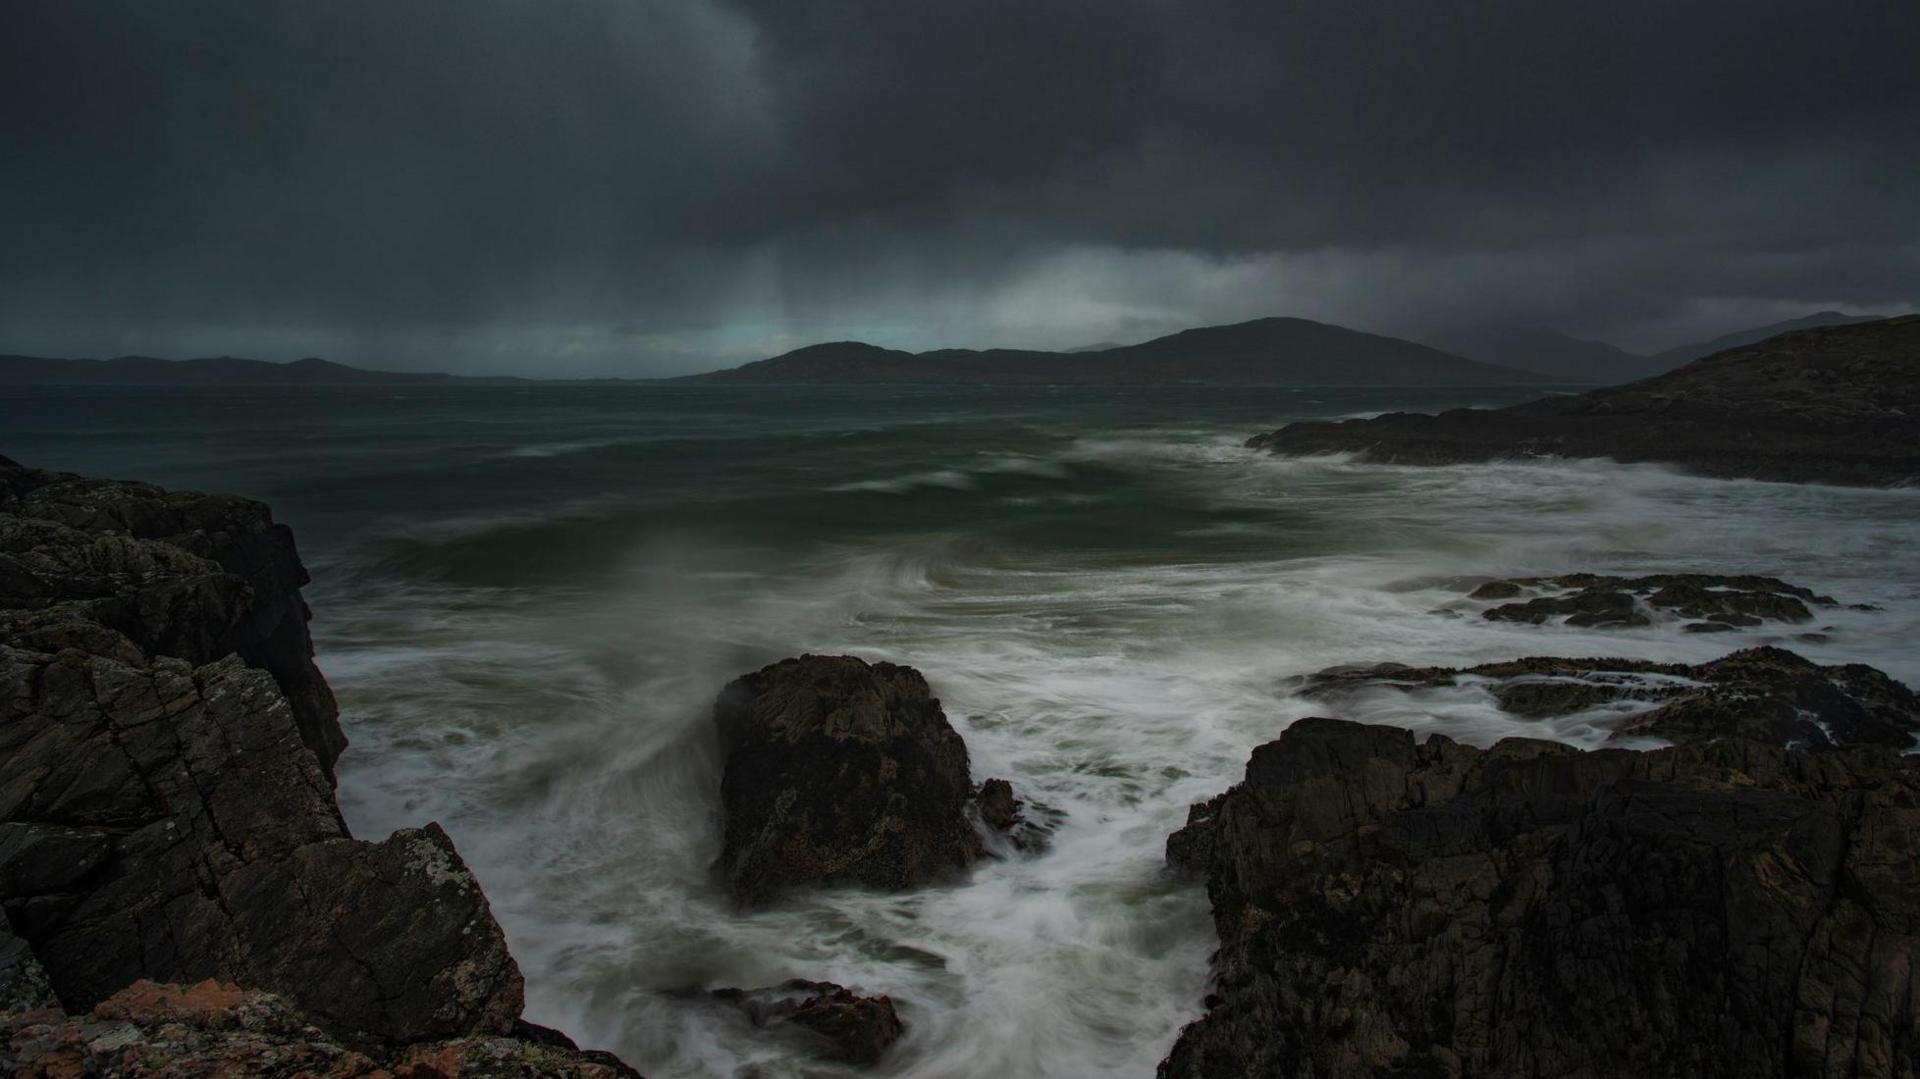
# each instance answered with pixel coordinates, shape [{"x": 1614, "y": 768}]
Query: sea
[{"x": 527, "y": 596}]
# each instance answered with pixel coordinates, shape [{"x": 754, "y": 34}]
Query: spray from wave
[
  {"x": 527, "y": 600},
  {"x": 1116, "y": 658}
]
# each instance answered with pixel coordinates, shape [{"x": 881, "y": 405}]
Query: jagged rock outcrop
[
  {"x": 189, "y": 576},
  {"x": 1767, "y": 694},
  {"x": 1725, "y": 908},
  {"x": 154, "y": 1031},
  {"x": 839, "y": 772},
  {"x": 166, "y": 805},
  {"x": 1832, "y": 404},
  {"x": 828, "y": 1020},
  {"x": 165, "y": 821},
  {"x": 1712, "y": 602}
]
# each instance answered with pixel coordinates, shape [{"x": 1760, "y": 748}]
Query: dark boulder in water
[
  {"x": 1013, "y": 825},
  {"x": 997, "y": 806},
  {"x": 1726, "y": 908},
  {"x": 1767, "y": 694},
  {"x": 830, "y": 1020},
  {"x": 838, "y": 771}
]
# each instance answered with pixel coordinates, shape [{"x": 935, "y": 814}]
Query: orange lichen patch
[
  {"x": 148, "y": 1001},
  {"x": 58, "y": 1064},
  {"x": 433, "y": 1062}
]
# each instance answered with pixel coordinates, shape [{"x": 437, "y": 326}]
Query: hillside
[
  {"x": 1269, "y": 351},
  {"x": 1573, "y": 359},
  {"x": 1546, "y": 352},
  {"x": 1836, "y": 404},
  {"x": 1684, "y": 354}
]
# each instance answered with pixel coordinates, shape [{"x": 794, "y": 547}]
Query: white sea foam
[
  {"x": 563, "y": 739},
  {"x": 961, "y": 478}
]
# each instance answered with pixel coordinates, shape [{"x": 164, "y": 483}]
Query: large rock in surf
[
  {"x": 166, "y": 804},
  {"x": 1833, "y": 404},
  {"x": 825, "y": 1019},
  {"x": 1767, "y": 694},
  {"x": 1726, "y": 908},
  {"x": 839, "y": 772}
]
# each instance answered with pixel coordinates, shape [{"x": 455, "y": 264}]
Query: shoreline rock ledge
[
  {"x": 1723, "y": 907},
  {"x": 1833, "y": 404},
  {"x": 167, "y": 816}
]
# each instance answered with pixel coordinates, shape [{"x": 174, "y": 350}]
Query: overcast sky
[{"x": 657, "y": 186}]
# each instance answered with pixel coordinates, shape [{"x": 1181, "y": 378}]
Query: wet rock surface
[
  {"x": 1714, "y": 602},
  {"x": 1725, "y": 908},
  {"x": 838, "y": 771},
  {"x": 216, "y": 1029},
  {"x": 1010, "y": 824},
  {"x": 1767, "y": 694},
  {"x": 166, "y": 801},
  {"x": 177, "y": 574},
  {"x": 1834, "y": 404},
  {"x": 166, "y": 821},
  {"x": 828, "y": 1020},
  {"x": 23, "y": 981}
]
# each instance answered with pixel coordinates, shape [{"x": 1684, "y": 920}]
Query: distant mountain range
[
  {"x": 214, "y": 371},
  {"x": 1268, "y": 351},
  {"x": 1571, "y": 359},
  {"x": 1276, "y": 351}
]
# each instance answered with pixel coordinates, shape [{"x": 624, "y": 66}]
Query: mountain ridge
[
  {"x": 1266, "y": 351},
  {"x": 1243, "y": 353}
]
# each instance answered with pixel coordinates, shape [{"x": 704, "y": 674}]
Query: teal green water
[
  {"x": 572, "y": 471},
  {"x": 526, "y": 598}
]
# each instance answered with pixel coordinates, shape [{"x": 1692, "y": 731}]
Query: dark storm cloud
[{"x": 594, "y": 185}]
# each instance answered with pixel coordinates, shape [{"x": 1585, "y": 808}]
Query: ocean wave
[
  {"x": 966, "y": 478},
  {"x": 1116, "y": 658}
]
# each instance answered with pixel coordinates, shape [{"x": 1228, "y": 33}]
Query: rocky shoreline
[
  {"x": 1737, "y": 895},
  {"x": 1834, "y": 404},
  {"x": 1720, "y": 908},
  {"x": 182, "y": 895},
  {"x": 1742, "y": 901},
  {"x": 167, "y": 816}
]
